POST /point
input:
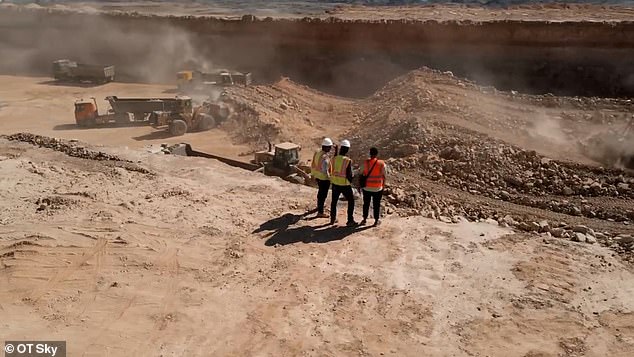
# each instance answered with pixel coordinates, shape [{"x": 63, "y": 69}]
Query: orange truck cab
[{"x": 86, "y": 112}]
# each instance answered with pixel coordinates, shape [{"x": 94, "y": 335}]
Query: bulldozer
[{"x": 283, "y": 161}]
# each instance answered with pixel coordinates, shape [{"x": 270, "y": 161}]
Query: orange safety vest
[
  {"x": 375, "y": 178},
  {"x": 338, "y": 168},
  {"x": 318, "y": 164}
]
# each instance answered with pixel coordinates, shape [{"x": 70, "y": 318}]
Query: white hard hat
[
  {"x": 345, "y": 144},
  {"x": 326, "y": 142}
]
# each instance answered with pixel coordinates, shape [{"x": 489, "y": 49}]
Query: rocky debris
[
  {"x": 69, "y": 148},
  {"x": 480, "y": 165},
  {"x": 54, "y": 203},
  {"x": 74, "y": 149}
]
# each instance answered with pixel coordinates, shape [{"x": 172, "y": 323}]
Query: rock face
[{"x": 356, "y": 49}]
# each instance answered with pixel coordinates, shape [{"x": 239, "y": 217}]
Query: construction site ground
[
  {"x": 508, "y": 217},
  {"x": 197, "y": 258}
]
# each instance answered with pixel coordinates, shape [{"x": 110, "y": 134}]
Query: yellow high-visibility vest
[
  {"x": 338, "y": 169},
  {"x": 317, "y": 166}
]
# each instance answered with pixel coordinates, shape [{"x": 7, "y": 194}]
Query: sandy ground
[
  {"x": 203, "y": 259},
  {"x": 40, "y": 105},
  {"x": 289, "y": 9}
]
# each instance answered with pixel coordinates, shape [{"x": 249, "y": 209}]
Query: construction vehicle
[
  {"x": 87, "y": 114},
  {"x": 141, "y": 108},
  {"x": 70, "y": 71},
  {"x": 196, "y": 80},
  {"x": 204, "y": 117},
  {"x": 123, "y": 110},
  {"x": 281, "y": 161}
]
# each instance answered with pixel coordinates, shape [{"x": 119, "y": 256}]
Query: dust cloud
[{"x": 149, "y": 54}]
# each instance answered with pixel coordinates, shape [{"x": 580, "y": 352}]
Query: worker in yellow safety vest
[
  {"x": 341, "y": 178},
  {"x": 319, "y": 170},
  {"x": 372, "y": 182}
]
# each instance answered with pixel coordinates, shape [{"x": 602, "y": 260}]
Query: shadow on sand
[
  {"x": 71, "y": 84},
  {"x": 281, "y": 233},
  {"x": 100, "y": 126},
  {"x": 155, "y": 135}
]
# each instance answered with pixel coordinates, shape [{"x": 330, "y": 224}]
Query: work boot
[
  {"x": 363, "y": 222},
  {"x": 377, "y": 223},
  {"x": 322, "y": 215},
  {"x": 352, "y": 223},
  {"x": 333, "y": 220}
]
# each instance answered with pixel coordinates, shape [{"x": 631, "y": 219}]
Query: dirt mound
[
  {"x": 282, "y": 111},
  {"x": 452, "y": 144}
]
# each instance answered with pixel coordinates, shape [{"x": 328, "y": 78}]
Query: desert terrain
[{"x": 508, "y": 216}]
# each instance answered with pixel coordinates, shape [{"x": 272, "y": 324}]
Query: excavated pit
[{"x": 351, "y": 58}]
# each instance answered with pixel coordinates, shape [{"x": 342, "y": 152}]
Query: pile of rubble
[
  {"x": 74, "y": 149},
  {"x": 446, "y": 171},
  {"x": 248, "y": 124},
  {"x": 413, "y": 200},
  {"x": 479, "y": 165},
  {"x": 70, "y": 148}
]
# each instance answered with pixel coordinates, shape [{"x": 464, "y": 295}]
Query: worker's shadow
[
  {"x": 282, "y": 222},
  {"x": 281, "y": 233}
]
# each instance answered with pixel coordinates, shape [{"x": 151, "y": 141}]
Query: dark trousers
[
  {"x": 347, "y": 193},
  {"x": 322, "y": 194},
  {"x": 376, "y": 203}
]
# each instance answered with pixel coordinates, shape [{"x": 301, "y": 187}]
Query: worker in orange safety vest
[
  {"x": 320, "y": 171},
  {"x": 373, "y": 170}
]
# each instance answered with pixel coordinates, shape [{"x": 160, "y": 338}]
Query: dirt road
[{"x": 119, "y": 262}]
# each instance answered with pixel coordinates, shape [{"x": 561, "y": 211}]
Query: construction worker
[
  {"x": 374, "y": 171},
  {"x": 319, "y": 170},
  {"x": 341, "y": 178}
]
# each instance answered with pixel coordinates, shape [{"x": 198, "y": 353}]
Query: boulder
[
  {"x": 583, "y": 229},
  {"x": 407, "y": 149},
  {"x": 578, "y": 237},
  {"x": 557, "y": 232},
  {"x": 509, "y": 220},
  {"x": 590, "y": 239}
]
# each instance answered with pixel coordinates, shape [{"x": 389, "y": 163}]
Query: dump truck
[
  {"x": 87, "y": 114},
  {"x": 125, "y": 110},
  {"x": 282, "y": 160},
  {"x": 177, "y": 114},
  {"x": 196, "y": 80},
  {"x": 141, "y": 108},
  {"x": 71, "y": 71}
]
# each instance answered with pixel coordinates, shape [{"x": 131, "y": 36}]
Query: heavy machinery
[
  {"x": 195, "y": 80},
  {"x": 87, "y": 114},
  {"x": 281, "y": 161},
  {"x": 71, "y": 71},
  {"x": 204, "y": 117},
  {"x": 141, "y": 108},
  {"x": 123, "y": 109}
]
